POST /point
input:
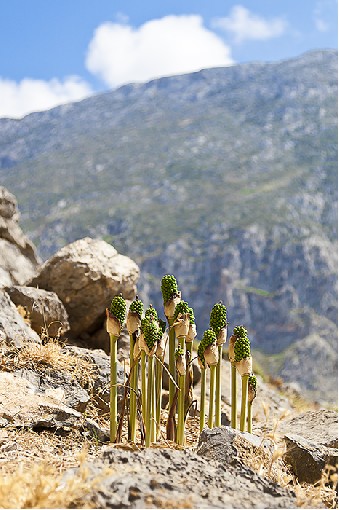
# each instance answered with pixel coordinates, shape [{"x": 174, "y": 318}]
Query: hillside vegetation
[{"x": 226, "y": 178}]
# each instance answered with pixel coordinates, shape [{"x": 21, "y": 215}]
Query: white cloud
[
  {"x": 244, "y": 25},
  {"x": 319, "y": 14},
  {"x": 120, "y": 53},
  {"x": 19, "y": 99}
]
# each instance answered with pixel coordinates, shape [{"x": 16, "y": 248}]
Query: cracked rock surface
[{"x": 168, "y": 478}]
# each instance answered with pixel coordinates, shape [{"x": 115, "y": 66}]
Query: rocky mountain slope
[{"x": 226, "y": 178}]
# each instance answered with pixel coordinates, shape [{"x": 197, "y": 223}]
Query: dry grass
[
  {"x": 269, "y": 463},
  {"x": 40, "y": 358},
  {"x": 42, "y": 485},
  {"x": 33, "y": 465}
]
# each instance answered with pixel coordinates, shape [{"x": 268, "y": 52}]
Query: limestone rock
[
  {"x": 13, "y": 329},
  {"x": 86, "y": 275},
  {"x": 222, "y": 443},
  {"x": 311, "y": 443},
  {"x": 22, "y": 405},
  {"x": 169, "y": 478},
  {"x": 46, "y": 312},
  {"x": 60, "y": 385},
  {"x": 18, "y": 258},
  {"x": 307, "y": 459},
  {"x": 320, "y": 427}
]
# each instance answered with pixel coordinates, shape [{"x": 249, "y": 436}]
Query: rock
[
  {"x": 22, "y": 405},
  {"x": 222, "y": 444},
  {"x": 169, "y": 478},
  {"x": 59, "y": 385},
  {"x": 18, "y": 259},
  {"x": 86, "y": 275},
  {"x": 13, "y": 329},
  {"x": 320, "y": 427},
  {"x": 311, "y": 440},
  {"x": 47, "y": 313},
  {"x": 307, "y": 459}
]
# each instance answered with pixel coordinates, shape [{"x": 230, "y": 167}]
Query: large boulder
[
  {"x": 14, "y": 331},
  {"x": 86, "y": 275},
  {"x": 311, "y": 440},
  {"x": 18, "y": 258},
  {"x": 46, "y": 312},
  {"x": 21, "y": 403},
  {"x": 169, "y": 478}
]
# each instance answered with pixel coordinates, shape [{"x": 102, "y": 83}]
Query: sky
[{"x": 54, "y": 52}]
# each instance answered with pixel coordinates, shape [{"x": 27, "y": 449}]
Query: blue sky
[{"x": 56, "y": 51}]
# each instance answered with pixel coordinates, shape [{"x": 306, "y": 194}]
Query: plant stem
[
  {"x": 188, "y": 378},
  {"x": 133, "y": 386},
  {"x": 249, "y": 417},
  {"x": 181, "y": 402},
  {"x": 158, "y": 392},
  {"x": 153, "y": 407},
  {"x": 212, "y": 397},
  {"x": 234, "y": 396},
  {"x": 143, "y": 385},
  {"x": 113, "y": 389},
  {"x": 202, "y": 398},
  {"x": 171, "y": 360},
  {"x": 149, "y": 416},
  {"x": 218, "y": 389},
  {"x": 244, "y": 399}
]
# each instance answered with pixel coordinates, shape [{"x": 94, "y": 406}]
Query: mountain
[{"x": 226, "y": 178}]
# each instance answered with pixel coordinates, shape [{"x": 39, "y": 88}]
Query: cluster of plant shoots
[{"x": 149, "y": 338}]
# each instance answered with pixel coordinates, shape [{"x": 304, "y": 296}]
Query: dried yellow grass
[
  {"x": 50, "y": 355},
  {"x": 43, "y": 486},
  {"x": 272, "y": 466}
]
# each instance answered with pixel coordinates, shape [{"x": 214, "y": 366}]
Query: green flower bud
[
  {"x": 218, "y": 317},
  {"x": 179, "y": 351},
  {"x": 242, "y": 349},
  {"x": 208, "y": 339},
  {"x": 118, "y": 308},
  {"x": 169, "y": 287},
  {"x": 191, "y": 314},
  {"x": 150, "y": 330},
  {"x": 137, "y": 306},
  {"x": 252, "y": 382},
  {"x": 151, "y": 313},
  {"x": 240, "y": 332},
  {"x": 201, "y": 351},
  {"x": 181, "y": 308}
]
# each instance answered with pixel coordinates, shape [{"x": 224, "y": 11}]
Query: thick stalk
[
  {"x": 202, "y": 398},
  {"x": 153, "y": 406},
  {"x": 133, "y": 389},
  {"x": 212, "y": 396},
  {"x": 249, "y": 417},
  {"x": 244, "y": 400},
  {"x": 218, "y": 389},
  {"x": 149, "y": 417},
  {"x": 158, "y": 383},
  {"x": 113, "y": 389},
  {"x": 234, "y": 396},
  {"x": 181, "y": 402},
  {"x": 143, "y": 385},
  {"x": 188, "y": 377},
  {"x": 171, "y": 360}
]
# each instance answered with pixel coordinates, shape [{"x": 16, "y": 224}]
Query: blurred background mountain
[{"x": 226, "y": 178}]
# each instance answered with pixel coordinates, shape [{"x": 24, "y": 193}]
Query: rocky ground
[{"x": 54, "y": 403}]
